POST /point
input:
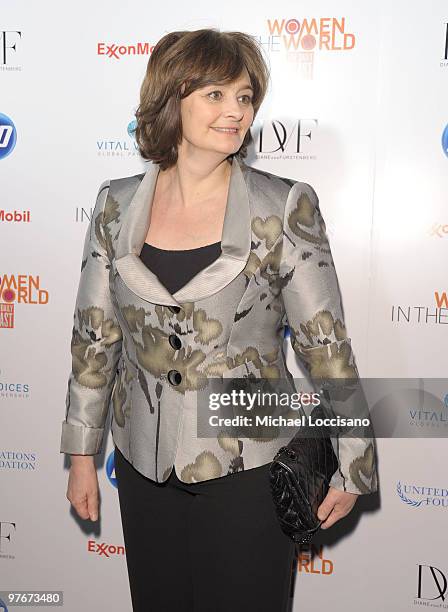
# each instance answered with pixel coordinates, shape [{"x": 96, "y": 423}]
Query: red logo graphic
[{"x": 6, "y": 315}]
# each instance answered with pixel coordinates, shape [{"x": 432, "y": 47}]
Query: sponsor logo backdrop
[{"x": 356, "y": 109}]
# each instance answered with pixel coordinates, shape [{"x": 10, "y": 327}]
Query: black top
[{"x": 175, "y": 268}]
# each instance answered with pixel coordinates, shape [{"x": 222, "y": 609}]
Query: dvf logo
[
  {"x": 8, "y": 135},
  {"x": 8, "y": 43},
  {"x": 5, "y": 532},
  {"x": 276, "y": 136},
  {"x": 446, "y": 43},
  {"x": 432, "y": 583}
]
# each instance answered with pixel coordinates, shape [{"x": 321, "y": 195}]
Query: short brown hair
[{"x": 196, "y": 59}]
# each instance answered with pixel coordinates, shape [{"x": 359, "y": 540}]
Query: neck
[{"x": 196, "y": 178}]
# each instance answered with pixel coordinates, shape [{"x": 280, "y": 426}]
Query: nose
[{"x": 233, "y": 109}]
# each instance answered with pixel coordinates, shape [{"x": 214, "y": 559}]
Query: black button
[
  {"x": 175, "y": 341},
  {"x": 174, "y": 308},
  {"x": 174, "y": 377}
]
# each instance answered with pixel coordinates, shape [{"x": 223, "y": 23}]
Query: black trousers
[{"x": 212, "y": 546}]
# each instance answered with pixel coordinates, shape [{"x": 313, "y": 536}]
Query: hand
[
  {"x": 335, "y": 506},
  {"x": 82, "y": 491}
]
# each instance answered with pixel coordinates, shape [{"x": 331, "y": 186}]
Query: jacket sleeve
[
  {"x": 313, "y": 307},
  {"x": 95, "y": 344}
]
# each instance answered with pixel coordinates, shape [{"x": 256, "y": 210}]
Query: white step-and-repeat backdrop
[{"x": 358, "y": 108}]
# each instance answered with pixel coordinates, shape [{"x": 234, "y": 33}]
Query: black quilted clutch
[{"x": 299, "y": 476}]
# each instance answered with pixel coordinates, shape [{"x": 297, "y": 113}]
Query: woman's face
[{"x": 217, "y": 117}]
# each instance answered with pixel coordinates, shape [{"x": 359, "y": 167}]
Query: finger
[
  {"x": 92, "y": 503},
  {"x": 334, "y": 500},
  {"x": 331, "y": 520},
  {"x": 338, "y": 513},
  {"x": 325, "y": 508},
  {"x": 81, "y": 509}
]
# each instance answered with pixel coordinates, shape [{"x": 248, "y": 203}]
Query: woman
[{"x": 190, "y": 270}]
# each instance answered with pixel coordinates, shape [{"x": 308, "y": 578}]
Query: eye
[
  {"x": 212, "y": 96},
  {"x": 247, "y": 99},
  {"x": 217, "y": 95}
]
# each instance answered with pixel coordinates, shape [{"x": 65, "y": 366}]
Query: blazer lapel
[{"x": 235, "y": 244}]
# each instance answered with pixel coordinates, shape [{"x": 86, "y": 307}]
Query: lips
[{"x": 226, "y": 130}]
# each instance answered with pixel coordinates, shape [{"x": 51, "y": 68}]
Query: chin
[{"x": 227, "y": 150}]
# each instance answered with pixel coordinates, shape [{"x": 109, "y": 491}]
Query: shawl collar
[{"x": 235, "y": 244}]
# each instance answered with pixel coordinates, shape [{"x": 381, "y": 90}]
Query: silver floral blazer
[{"x": 142, "y": 351}]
